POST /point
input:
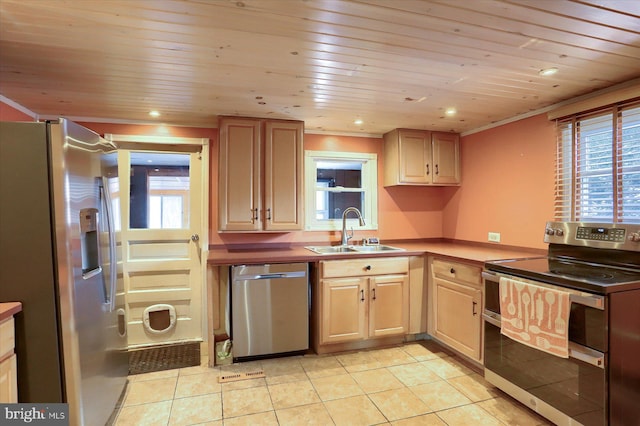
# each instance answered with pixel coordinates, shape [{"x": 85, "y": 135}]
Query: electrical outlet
[{"x": 494, "y": 237}]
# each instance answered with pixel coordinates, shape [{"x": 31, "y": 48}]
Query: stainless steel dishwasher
[{"x": 269, "y": 309}]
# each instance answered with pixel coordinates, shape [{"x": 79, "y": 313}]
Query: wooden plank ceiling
[{"x": 391, "y": 63}]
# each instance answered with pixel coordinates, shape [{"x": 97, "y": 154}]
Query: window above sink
[{"x": 335, "y": 181}]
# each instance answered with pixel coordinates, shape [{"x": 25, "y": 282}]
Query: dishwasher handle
[{"x": 271, "y": 276}]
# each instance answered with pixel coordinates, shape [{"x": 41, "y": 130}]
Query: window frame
[
  {"x": 569, "y": 188},
  {"x": 369, "y": 187}
]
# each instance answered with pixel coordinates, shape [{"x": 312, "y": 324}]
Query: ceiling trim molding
[
  {"x": 17, "y": 106},
  {"x": 163, "y": 140},
  {"x": 124, "y": 121},
  {"x": 507, "y": 121},
  {"x": 622, "y": 89},
  {"x": 611, "y": 95},
  {"x": 351, "y": 134}
]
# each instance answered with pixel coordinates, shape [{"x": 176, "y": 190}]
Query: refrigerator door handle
[{"x": 113, "y": 262}]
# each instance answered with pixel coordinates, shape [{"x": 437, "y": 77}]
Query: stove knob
[
  {"x": 559, "y": 232},
  {"x": 549, "y": 231},
  {"x": 635, "y": 237}
]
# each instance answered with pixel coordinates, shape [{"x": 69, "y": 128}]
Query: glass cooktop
[{"x": 571, "y": 273}]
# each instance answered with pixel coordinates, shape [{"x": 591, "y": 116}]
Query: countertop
[
  {"x": 474, "y": 252},
  {"x": 8, "y": 309}
]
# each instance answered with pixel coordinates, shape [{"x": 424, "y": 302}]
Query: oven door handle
[
  {"x": 579, "y": 352},
  {"x": 587, "y": 355},
  {"x": 490, "y": 277},
  {"x": 593, "y": 301},
  {"x": 492, "y": 318}
]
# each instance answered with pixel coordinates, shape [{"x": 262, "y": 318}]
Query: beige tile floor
[{"x": 414, "y": 384}]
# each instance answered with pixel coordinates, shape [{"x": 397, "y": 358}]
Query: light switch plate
[{"x": 494, "y": 237}]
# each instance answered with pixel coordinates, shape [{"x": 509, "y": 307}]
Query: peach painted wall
[
  {"x": 9, "y": 113},
  {"x": 507, "y": 184}
]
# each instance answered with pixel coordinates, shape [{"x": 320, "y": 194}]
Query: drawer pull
[
  {"x": 368, "y": 267},
  {"x": 453, "y": 271},
  {"x": 475, "y": 304},
  {"x": 374, "y": 294},
  {"x": 362, "y": 295}
]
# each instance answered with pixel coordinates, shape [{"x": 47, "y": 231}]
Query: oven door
[{"x": 565, "y": 391}]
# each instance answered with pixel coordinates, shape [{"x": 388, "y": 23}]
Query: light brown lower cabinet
[
  {"x": 363, "y": 299},
  {"x": 456, "y": 303},
  {"x": 343, "y": 310},
  {"x": 8, "y": 365}
]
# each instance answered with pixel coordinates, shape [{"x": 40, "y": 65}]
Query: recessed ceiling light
[
  {"x": 548, "y": 71},
  {"x": 154, "y": 113},
  {"x": 358, "y": 122},
  {"x": 450, "y": 111}
]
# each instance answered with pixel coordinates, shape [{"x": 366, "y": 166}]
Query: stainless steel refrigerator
[{"x": 58, "y": 257}]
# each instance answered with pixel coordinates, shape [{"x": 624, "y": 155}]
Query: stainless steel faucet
[{"x": 345, "y": 237}]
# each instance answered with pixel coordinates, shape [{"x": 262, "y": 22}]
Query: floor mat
[{"x": 164, "y": 357}]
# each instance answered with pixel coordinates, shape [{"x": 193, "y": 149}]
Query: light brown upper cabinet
[
  {"x": 421, "y": 157},
  {"x": 260, "y": 179}
]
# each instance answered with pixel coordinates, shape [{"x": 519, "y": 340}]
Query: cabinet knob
[
  {"x": 453, "y": 271},
  {"x": 367, "y": 268}
]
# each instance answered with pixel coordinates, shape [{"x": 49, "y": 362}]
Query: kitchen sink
[
  {"x": 331, "y": 249},
  {"x": 376, "y": 248},
  {"x": 352, "y": 249}
]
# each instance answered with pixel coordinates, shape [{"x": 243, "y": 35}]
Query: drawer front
[
  {"x": 364, "y": 267},
  {"x": 457, "y": 271},
  {"x": 7, "y": 337}
]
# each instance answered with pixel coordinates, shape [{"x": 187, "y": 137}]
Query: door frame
[{"x": 173, "y": 143}]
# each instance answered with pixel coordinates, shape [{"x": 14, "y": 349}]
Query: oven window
[
  {"x": 587, "y": 325},
  {"x": 574, "y": 387}
]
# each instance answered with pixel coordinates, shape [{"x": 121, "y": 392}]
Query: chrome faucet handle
[{"x": 350, "y": 235}]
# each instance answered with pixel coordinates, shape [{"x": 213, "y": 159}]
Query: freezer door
[
  {"x": 270, "y": 309},
  {"x": 95, "y": 358}
]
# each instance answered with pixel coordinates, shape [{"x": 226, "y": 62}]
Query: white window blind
[
  {"x": 598, "y": 166},
  {"x": 629, "y": 166}
]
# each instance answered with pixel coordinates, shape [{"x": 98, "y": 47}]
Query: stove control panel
[{"x": 599, "y": 235}]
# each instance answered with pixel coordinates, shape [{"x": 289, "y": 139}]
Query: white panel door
[{"x": 162, "y": 244}]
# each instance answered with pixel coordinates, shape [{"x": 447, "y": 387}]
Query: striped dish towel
[{"x": 535, "y": 316}]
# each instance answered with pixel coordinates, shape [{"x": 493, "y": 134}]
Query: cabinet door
[
  {"x": 9, "y": 380},
  {"x": 343, "y": 310},
  {"x": 415, "y": 157},
  {"x": 446, "y": 158},
  {"x": 388, "y": 305},
  {"x": 239, "y": 197},
  {"x": 457, "y": 316},
  {"x": 283, "y": 176}
]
